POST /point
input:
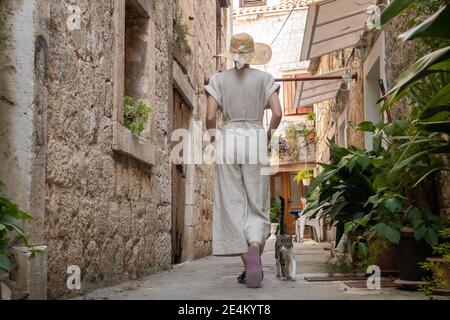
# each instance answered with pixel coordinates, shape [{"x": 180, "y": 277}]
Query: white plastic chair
[{"x": 314, "y": 223}]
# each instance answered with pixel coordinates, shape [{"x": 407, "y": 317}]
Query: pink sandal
[{"x": 254, "y": 268}]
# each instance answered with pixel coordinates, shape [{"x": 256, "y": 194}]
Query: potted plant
[
  {"x": 439, "y": 267},
  {"x": 420, "y": 152},
  {"x": 304, "y": 176},
  {"x": 311, "y": 119},
  {"x": 340, "y": 195},
  {"x": 310, "y": 134},
  {"x": 279, "y": 147},
  {"x": 275, "y": 210}
]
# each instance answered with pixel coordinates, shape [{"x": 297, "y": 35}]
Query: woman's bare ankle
[{"x": 256, "y": 245}]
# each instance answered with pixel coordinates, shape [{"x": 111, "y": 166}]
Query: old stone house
[
  {"x": 281, "y": 24},
  {"x": 105, "y": 200},
  {"x": 371, "y": 57}
]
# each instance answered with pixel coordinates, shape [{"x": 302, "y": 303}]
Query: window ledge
[{"x": 131, "y": 145}]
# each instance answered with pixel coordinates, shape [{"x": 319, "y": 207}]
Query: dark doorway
[{"x": 181, "y": 116}]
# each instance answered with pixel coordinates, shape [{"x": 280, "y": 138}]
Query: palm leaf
[
  {"x": 426, "y": 174},
  {"x": 4, "y": 263},
  {"x": 324, "y": 176},
  {"x": 435, "y": 26},
  {"x": 442, "y": 97},
  {"x": 442, "y": 110},
  {"x": 394, "y": 9},
  {"x": 437, "y": 126},
  {"x": 421, "y": 69}
]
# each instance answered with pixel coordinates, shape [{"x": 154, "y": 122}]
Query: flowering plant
[{"x": 279, "y": 146}]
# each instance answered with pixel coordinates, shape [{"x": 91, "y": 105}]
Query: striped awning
[
  {"x": 333, "y": 25},
  {"x": 310, "y": 92}
]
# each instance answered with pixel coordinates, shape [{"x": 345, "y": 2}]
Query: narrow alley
[
  {"x": 214, "y": 278},
  {"x": 146, "y": 146}
]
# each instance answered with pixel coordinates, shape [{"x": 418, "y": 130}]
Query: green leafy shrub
[
  {"x": 341, "y": 263},
  {"x": 311, "y": 116},
  {"x": 181, "y": 31},
  {"x": 10, "y": 231},
  {"x": 275, "y": 210},
  {"x": 379, "y": 192},
  {"x": 136, "y": 115},
  {"x": 439, "y": 270}
]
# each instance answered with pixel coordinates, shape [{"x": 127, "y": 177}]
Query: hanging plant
[{"x": 304, "y": 176}]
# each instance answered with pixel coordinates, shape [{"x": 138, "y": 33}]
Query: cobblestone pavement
[{"x": 215, "y": 278}]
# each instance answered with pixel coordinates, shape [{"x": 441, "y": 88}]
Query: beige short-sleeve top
[{"x": 242, "y": 94}]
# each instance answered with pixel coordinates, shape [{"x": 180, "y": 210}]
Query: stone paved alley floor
[{"x": 215, "y": 278}]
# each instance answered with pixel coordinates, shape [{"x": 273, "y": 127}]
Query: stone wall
[
  {"x": 106, "y": 213},
  {"x": 23, "y": 100},
  {"x": 201, "y": 18},
  {"x": 349, "y": 102},
  {"x": 103, "y": 211}
]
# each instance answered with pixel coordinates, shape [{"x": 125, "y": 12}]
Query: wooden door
[
  {"x": 283, "y": 184},
  {"x": 181, "y": 116}
]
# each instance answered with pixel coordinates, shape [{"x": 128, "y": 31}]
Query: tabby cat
[
  {"x": 286, "y": 266},
  {"x": 285, "y": 258}
]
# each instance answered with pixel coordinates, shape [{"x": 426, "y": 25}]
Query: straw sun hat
[{"x": 244, "y": 50}]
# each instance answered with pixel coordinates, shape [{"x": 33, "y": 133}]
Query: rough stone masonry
[{"x": 104, "y": 211}]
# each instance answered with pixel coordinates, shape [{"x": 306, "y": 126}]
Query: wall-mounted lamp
[{"x": 347, "y": 79}]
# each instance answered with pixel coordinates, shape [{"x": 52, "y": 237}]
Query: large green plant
[
  {"x": 406, "y": 172},
  {"x": 10, "y": 231},
  {"x": 414, "y": 150},
  {"x": 395, "y": 181},
  {"x": 339, "y": 194}
]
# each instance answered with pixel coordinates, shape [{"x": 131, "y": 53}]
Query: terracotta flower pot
[
  {"x": 312, "y": 135},
  {"x": 386, "y": 259}
]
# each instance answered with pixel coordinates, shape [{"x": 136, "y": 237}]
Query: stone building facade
[
  {"x": 334, "y": 116},
  {"x": 102, "y": 197}
]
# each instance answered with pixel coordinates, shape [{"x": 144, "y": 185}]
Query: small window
[
  {"x": 134, "y": 79},
  {"x": 252, "y": 3},
  {"x": 136, "y": 47}
]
